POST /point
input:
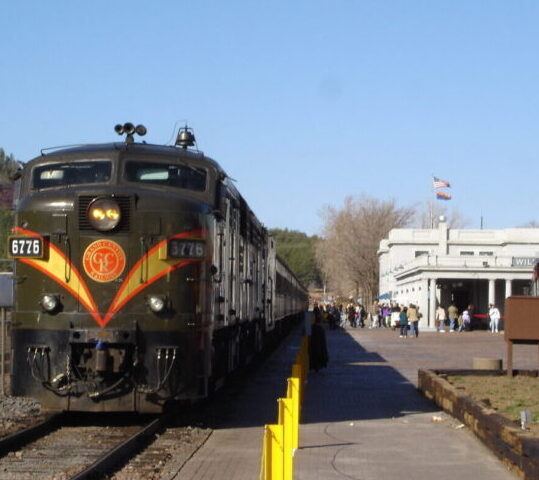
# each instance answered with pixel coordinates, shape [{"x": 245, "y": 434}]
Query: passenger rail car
[{"x": 141, "y": 277}]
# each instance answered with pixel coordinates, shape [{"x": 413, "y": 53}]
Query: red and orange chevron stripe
[{"x": 54, "y": 266}]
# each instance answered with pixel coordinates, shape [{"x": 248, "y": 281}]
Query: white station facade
[{"x": 431, "y": 267}]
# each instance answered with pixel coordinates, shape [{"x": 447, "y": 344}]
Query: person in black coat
[{"x": 318, "y": 350}]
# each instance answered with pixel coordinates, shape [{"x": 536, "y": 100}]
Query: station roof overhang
[{"x": 485, "y": 273}]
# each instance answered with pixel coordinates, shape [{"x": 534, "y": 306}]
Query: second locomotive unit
[{"x": 141, "y": 277}]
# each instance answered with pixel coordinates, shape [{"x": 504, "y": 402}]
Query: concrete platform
[{"x": 363, "y": 416}]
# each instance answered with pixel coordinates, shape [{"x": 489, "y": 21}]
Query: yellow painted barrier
[
  {"x": 265, "y": 461},
  {"x": 286, "y": 406},
  {"x": 282, "y": 440},
  {"x": 293, "y": 394},
  {"x": 274, "y": 461},
  {"x": 297, "y": 372}
]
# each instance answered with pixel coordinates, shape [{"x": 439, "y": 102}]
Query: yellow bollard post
[
  {"x": 266, "y": 455},
  {"x": 297, "y": 367},
  {"x": 299, "y": 373},
  {"x": 293, "y": 388},
  {"x": 288, "y": 451},
  {"x": 276, "y": 448}
]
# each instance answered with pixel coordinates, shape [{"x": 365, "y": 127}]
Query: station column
[
  {"x": 491, "y": 291},
  {"x": 432, "y": 302},
  {"x": 508, "y": 288}
]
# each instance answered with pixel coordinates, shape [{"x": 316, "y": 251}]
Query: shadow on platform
[{"x": 357, "y": 385}]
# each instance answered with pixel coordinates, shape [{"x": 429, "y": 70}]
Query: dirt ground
[{"x": 508, "y": 396}]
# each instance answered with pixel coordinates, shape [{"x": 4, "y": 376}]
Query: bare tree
[
  {"x": 530, "y": 224},
  {"x": 428, "y": 215},
  {"x": 347, "y": 251}
]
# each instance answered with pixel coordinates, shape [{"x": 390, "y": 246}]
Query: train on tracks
[{"x": 141, "y": 277}]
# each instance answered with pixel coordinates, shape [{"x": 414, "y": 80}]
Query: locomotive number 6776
[{"x": 141, "y": 277}]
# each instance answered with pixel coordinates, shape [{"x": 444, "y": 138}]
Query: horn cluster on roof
[
  {"x": 129, "y": 129},
  {"x": 184, "y": 139}
]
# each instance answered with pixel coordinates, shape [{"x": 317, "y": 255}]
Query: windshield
[
  {"x": 171, "y": 175},
  {"x": 71, "y": 173}
]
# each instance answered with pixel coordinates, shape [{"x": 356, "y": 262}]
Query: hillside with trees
[
  {"x": 298, "y": 250},
  {"x": 6, "y": 204}
]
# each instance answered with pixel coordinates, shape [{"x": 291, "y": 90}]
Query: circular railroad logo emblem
[{"x": 104, "y": 260}]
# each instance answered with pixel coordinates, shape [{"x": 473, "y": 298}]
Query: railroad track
[{"x": 66, "y": 447}]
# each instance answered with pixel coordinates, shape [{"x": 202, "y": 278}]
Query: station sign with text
[{"x": 524, "y": 261}]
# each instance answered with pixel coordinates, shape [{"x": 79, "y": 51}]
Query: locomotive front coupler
[{"x": 103, "y": 351}]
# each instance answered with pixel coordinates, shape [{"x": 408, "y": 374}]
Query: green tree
[
  {"x": 6, "y": 212},
  {"x": 6, "y": 161},
  {"x": 297, "y": 249},
  {"x": 6, "y": 223}
]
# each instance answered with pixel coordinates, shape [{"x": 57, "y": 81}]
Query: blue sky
[{"x": 303, "y": 102}]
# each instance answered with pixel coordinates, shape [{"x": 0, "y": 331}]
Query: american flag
[{"x": 439, "y": 183}]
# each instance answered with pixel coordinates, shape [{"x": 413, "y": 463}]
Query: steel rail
[
  {"x": 18, "y": 439},
  {"x": 123, "y": 452}
]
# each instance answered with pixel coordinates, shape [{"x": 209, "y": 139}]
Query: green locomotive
[{"x": 141, "y": 277}]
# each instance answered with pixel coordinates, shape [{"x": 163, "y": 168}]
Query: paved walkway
[{"x": 363, "y": 417}]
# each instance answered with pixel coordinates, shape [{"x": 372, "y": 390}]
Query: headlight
[
  {"x": 50, "y": 303},
  {"x": 157, "y": 303},
  {"x": 104, "y": 214}
]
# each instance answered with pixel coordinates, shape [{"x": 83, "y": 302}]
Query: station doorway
[
  {"x": 460, "y": 292},
  {"x": 464, "y": 293}
]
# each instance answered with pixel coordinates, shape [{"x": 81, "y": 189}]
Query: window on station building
[
  {"x": 418, "y": 253},
  {"x": 466, "y": 252},
  {"x": 486, "y": 254}
]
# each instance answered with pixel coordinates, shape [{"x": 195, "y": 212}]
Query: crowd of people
[
  {"x": 462, "y": 321},
  {"x": 458, "y": 321},
  {"x": 378, "y": 315},
  {"x": 404, "y": 318}
]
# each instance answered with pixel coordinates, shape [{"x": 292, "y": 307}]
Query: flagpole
[{"x": 430, "y": 204}]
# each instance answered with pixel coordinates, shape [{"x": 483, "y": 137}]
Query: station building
[{"x": 431, "y": 267}]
